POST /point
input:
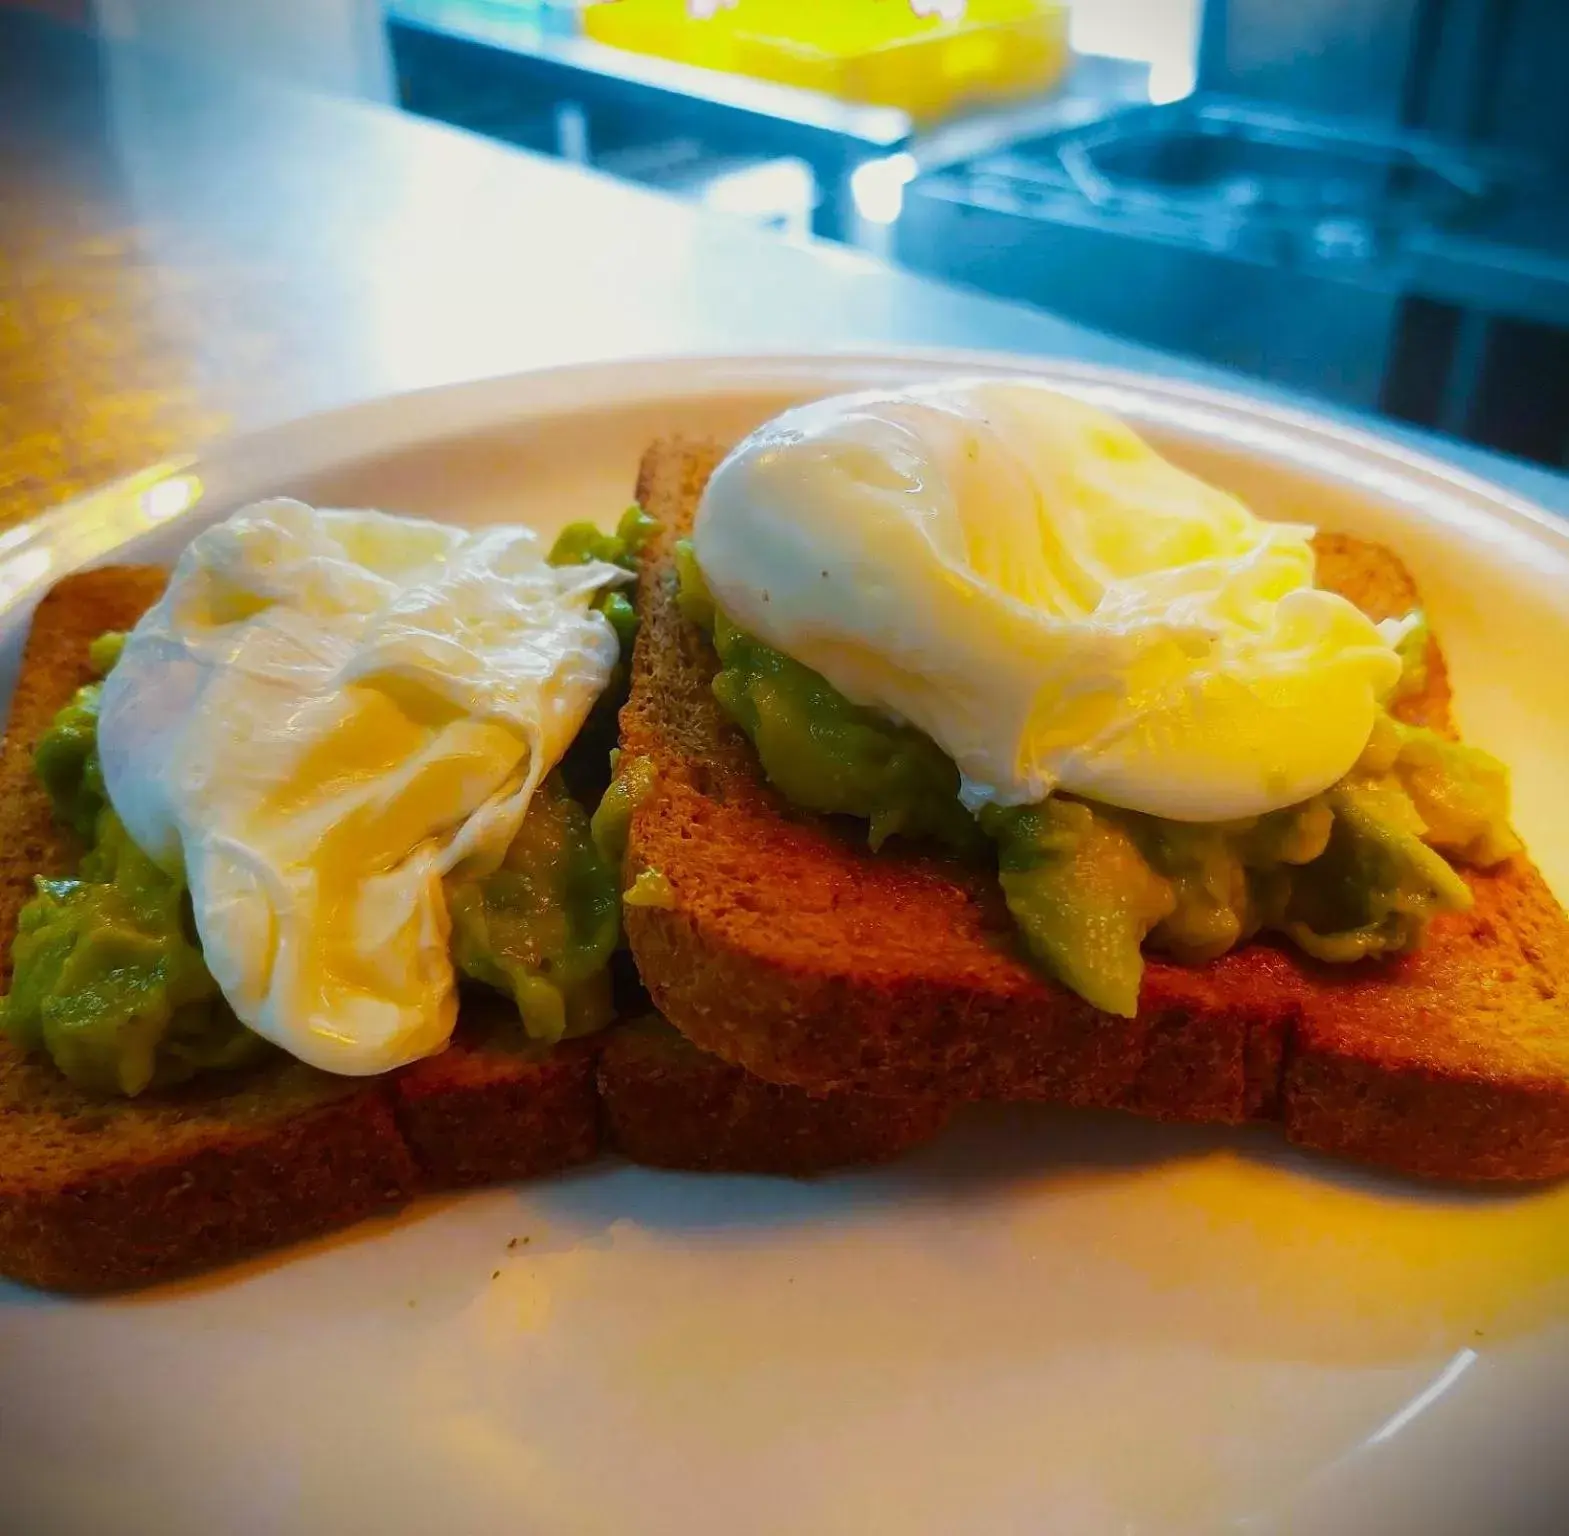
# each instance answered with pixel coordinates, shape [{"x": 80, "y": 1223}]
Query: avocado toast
[
  {"x": 785, "y": 946},
  {"x": 102, "y": 1193},
  {"x": 822, "y": 1002}
]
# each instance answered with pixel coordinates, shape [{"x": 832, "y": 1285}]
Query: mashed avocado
[
  {"x": 652, "y": 888},
  {"x": 1356, "y": 872},
  {"x": 585, "y": 765},
  {"x": 109, "y": 981},
  {"x": 1082, "y": 894},
  {"x": 544, "y": 926},
  {"x": 633, "y": 778},
  {"x": 578, "y": 543},
  {"x": 66, "y": 762},
  {"x": 821, "y": 751},
  {"x": 108, "y": 976}
]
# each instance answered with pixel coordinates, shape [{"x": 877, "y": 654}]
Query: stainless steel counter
[{"x": 183, "y": 253}]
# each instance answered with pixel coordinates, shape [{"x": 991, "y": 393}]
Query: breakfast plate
[{"x": 1044, "y": 1322}]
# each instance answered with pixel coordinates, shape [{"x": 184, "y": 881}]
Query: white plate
[{"x": 1047, "y": 1323}]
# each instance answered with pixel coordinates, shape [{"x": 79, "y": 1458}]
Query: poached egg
[
  {"x": 1023, "y": 578},
  {"x": 325, "y": 714}
]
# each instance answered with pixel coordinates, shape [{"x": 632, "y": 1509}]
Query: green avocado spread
[
  {"x": 543, "y": 926},
  {"x": 579, "y": 543},
  {"x": 1356, "y": 872},
  {"x": 586, "y": 765},
  {"x": 107, "y": 972},
  {"x": 107, "y": 976},
  {"x": 632, "y": 779},
  {"x": 108, "y": 979}
]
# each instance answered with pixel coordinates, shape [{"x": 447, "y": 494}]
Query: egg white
[
  {"x": 325, "y": 714},
  {"x": 1023, "y": 578}
]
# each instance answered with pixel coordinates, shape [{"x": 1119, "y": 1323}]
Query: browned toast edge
[{"x": 667, "y": 1104}]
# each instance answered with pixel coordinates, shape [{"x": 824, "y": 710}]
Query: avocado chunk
[
  {"x": 631, "y": 782},
  {"x": 584, "y": 766},
  {"x": 108, "y": 979},
  {"x": 824, "y": 753},
  {"x": 542, "y": 927},
  {"x": 1377, "y": 885},
  {"x": 1083, "y": 895},
  {"x": 1461, "y": 795},
  {"x": 66, "y": 762},
  {"x": 107, "y": 976},
  {"x": 1220, "y": 872},
  {"x": 579, "y": 543}
]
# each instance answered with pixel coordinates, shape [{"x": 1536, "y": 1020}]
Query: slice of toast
[
  {"x": 107, "y": 1194},
  {"x": 671, "y": 1105},
  {"x": 789, "y": 949},
  {"x": 104, "y": 1194}
]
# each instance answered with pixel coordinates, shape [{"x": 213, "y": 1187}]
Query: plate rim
[{"x": 92, "y": 525}]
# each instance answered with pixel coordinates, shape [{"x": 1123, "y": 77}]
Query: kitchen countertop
[{"x": 184, "y": 253}]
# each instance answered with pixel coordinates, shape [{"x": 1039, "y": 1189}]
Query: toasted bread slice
[
  {"x": 669, "y": 1104},
  {"x": 100, "y": 1195},
  {"x": 492, "y": 1107},
  {"x": 792, "y": 951}
]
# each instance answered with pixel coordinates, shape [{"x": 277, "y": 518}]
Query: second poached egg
[{"x": 1023, "y": 578}]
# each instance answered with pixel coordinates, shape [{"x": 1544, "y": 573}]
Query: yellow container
[{"x": 876, "y": 52}]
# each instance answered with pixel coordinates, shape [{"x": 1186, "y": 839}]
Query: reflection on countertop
[{"x": 184, "y": 252}]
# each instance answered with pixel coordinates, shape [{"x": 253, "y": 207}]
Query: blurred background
[{"x": 1362, "y": 199}]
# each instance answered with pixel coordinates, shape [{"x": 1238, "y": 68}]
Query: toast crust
[
  {"x": 795, "y": 953},
  {"x": 670, "y": 1105},
  {"x": 490, "y": 1110}
]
